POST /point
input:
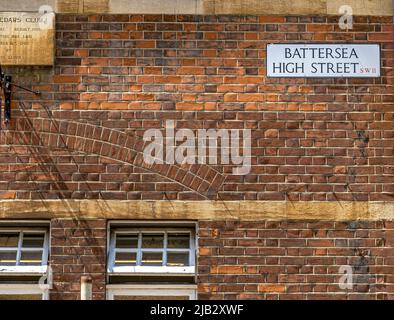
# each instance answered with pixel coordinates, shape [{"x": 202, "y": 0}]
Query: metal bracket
[{"x": 6, "y": 86}]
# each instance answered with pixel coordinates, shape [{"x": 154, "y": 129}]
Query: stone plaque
[{"x": 27, "y": 38}]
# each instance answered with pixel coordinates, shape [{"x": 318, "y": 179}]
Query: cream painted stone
[
  {"x": 156, "y": 6},
  {"x": 362, "y": 7},
  {"x": 92, "y": 6},
  {"x": 256, "y": 7},
  {"x": 381, "y": 209},
  {"x": 69, "y": 6},
  {"x": 328, "y": 211},
  {"x": 26, "y": 5},
  {"x": 264, "y": 7},
  {"x": 196, "y": 210}
]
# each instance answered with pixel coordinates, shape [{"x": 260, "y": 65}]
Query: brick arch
[{"x": 113, "y": 144}]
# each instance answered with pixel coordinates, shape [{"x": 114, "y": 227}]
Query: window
[
  {"x": 24, "y": 260},
  {"x": 151, "y": 260},
  {"x": 152, "y": 250},
  {"x": 23, "y": 250}
]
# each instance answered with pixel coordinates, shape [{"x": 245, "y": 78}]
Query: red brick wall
[
  {"x": 313, "y": 139},
  {"x": 78, "y": 247},
  {"x": 116, "y": 76},
  {"x": 295, "y": 259},
  {"x": 249, "y": 259}
]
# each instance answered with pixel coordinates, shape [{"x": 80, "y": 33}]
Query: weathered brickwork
[
  {"x": 116, "y": 76},
  {"x": 313, "y": 139},
  {"x": 78, "y": 247},
  {"x": 295, "y": 259},
  {"x": 249, "y": 259}
]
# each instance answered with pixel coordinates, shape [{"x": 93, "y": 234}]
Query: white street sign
[{"x": 323, "y": 60}]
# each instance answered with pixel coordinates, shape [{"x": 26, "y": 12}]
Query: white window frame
[
  {"x": 152, "y": 290},
  {"x": 26, "y": 270},
  {"x": 25, "y": 289},
  {"x": 156, "y": 270}
]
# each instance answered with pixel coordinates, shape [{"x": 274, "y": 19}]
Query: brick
[
  {"x": 94, "y": 96},
  {"x": 320, "y": 27},
  {"x": 271, "y": 288},
  {"x": 189, "y": 106},
  {"x": 272, "y": 19},
  {"x": 251, "y": 97},
  {"x": 227, "y": 270},
  {"x": 190, "y": 71},
  {"x": 114, "y": 105},
  {"x": 382, "y": 37},
  {"x": 66, "y": 79},
  {"x": 7, "y": 194}
]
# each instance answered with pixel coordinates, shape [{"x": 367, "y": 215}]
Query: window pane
[
  {"x": 152, "y": 259},
  {"x": 33, "y": 240},
  {"x": 178, "y": 240},
  {"x": 7, "y": 258},
  {"x": 126, "y": 241},
  {"x": 31, "y": 258},
  {"x": 177, "y": 259},
  {"x": 126, "y": 259},
  {"x": 9, "y": 239},
  {"x": 152, "y": 240}
]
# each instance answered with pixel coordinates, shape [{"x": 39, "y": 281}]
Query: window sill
[
  {"x": 23, "y": 270},
  {"x": 25, "y": 289},
  {"x": 152, "y": 290},
  {"x": 182, "y": 271}
]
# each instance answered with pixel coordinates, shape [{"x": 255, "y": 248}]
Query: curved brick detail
[{"x": 113, "y": 144}]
